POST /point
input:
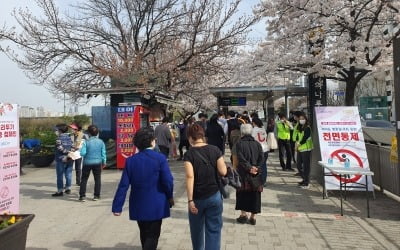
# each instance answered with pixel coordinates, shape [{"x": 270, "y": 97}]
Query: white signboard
[
  {"x": 9, "y": 158},
  {"x": 340, "y": 138}
]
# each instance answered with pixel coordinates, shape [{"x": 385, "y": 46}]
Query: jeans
[
  {"x": 284, "y": 145},
  {"x": 96, "y": 169},
  {"x": 164, "y": 150},
  {"x": 264, "y": 171},
  {"x": 78, "y": 170},
  {"x": 206, "y": 225},
  {"x": 149, "y": 233},
  {"x": 63, "y": 169},
  {"x": 303, "y": 162}
]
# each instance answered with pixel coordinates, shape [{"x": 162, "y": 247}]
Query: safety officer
[
  {"x": 283, "y": 127},
  {"x": 304, "y": 146}
]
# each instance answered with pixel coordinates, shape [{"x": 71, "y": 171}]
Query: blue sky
[{"x": 17, "y": 88}]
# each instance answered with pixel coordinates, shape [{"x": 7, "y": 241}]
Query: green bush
[
  {"x": 46, "y": 137},
  {"x": 30, "y": 126},
  {"x": 41, "y": 129},
  {"x": 82, "y": 120}
]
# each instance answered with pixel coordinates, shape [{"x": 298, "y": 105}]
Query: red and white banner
[
  {"x": 9, "y": 158},
  {"x": 341, "y": 137}
]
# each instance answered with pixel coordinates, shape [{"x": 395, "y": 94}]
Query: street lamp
[{"x": 64, "y": 105}]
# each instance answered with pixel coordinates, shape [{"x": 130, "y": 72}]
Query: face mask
[{"x": 302, "y": 122}]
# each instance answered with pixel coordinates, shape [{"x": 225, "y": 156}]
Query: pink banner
[
  {"x": 9, "y": 180},
  {"x": 341, "y": 137},
  {"x": 9, "y": 159}
]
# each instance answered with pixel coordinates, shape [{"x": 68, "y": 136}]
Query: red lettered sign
[{"x": 127, "y": 123}]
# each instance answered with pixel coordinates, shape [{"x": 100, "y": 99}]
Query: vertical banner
[
  {"x": 316, "y": 93},
  {"x": 340, "y": 137},
  {"x": 127, "y": 123},
  {"x": 9, "y": 158}
]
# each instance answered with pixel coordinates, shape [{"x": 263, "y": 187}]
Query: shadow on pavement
[
  {"x": 85, "y": 245},
  {"x": 178, "y": 213}
]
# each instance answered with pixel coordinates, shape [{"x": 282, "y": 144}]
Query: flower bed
[
  {"x": 13, "y": 231},
  {"x": 42, "y": 160}
]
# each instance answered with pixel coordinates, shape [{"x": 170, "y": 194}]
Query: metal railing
[{"x": 387, "y": 175}]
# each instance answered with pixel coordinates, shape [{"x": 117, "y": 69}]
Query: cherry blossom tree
[
  {"x": 176, "y": 46},
  {"x": 343, "y": 40}
]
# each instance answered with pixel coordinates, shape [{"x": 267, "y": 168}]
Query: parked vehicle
[
  {"x": 378, "y": 132},
  {"x": 377, "y": 124}
]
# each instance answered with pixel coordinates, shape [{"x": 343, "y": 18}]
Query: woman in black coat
[
  {"x": 215, "y": 133},
  {"x": 247, "y": 159}
]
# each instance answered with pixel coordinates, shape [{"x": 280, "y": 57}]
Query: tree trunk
[{"x": 350, "y": 90}]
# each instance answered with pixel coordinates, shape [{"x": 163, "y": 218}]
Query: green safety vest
[
  {"x": 283, "y": 131},
  {"x": 295, "y": 132},
  {"x": 306, "y": 146}
]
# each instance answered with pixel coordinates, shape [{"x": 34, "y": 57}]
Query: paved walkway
[{"x": 291, "y": 218}]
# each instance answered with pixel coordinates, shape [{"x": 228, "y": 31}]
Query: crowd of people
[
  {"x": 204, "y": 140},
  {"x": 85, "y": 152},
  {"x": 150, "y": 180}
]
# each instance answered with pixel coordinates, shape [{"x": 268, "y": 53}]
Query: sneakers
[
  {"x": 68, "y": 191},
  {"x": 297, "y": 174},
  {"x": 83, "y": 198},
  {"x": 242, "y": 219},
  {"x": 290, "y": 169},
  {"x": 57, "y": 194},
  {"x": 252, "y": 221},
  {"x": 300, "y": 183},
  {"x": 304, "y": 186}
]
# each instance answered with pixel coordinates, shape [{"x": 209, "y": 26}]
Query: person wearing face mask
[
  {"x": 77, "y": 138},
  {"x": 294, "y": 119},
  {"x": 63, "y": 164},
  {"x": 293, "y": 137},
  {"x": 283, "y": 127},
  {"x": 304, "y": 145}
]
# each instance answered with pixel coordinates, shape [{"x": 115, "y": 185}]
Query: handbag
[
  {"x": 271, "y": 140},
  {"x": 74, "y": 155},
  {"x": 233, "y": 177},
  {"x": 254, "y": 181},
  {"x": 221, "y": 181}
]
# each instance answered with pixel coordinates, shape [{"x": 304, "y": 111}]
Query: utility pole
[{"x": 396, "y": 81}]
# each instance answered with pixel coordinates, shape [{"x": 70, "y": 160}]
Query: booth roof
[
  {"x": 259, "y": 93},
  {"x": 159, "y": 96}
]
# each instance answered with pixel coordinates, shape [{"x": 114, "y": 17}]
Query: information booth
[{"x": 127, "y": 112}]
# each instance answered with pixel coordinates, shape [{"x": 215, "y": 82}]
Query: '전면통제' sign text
[
  {"x": 9, "y": 158},
  {"x": 340, "y": 138}
]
